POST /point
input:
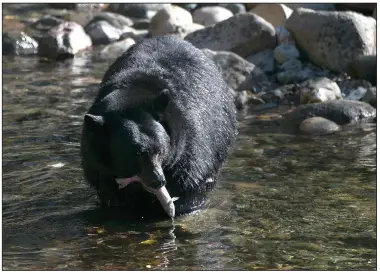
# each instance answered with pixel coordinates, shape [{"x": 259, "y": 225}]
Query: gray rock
[
  {"x": 276, "y": 14},
  {"x": 114, "y": 19},
  {"x": 371, "y": 96},
  {"x": 291, "y": 65},
  {"x": 283, "y": 36},
  {"x": 318, "y": 126},
  {"x": 235, "y": 8},
  {"x": 18, "y": 43},
  {"x": 285, "y": 52},
  {"x": 102, "y": 32},
  {"x": 136, "y": 10},
  {"x": 294, "y": 76},
  {"x": 339, "y": 111},
  {"x": 63, "y": 41},
  {"x": 332, "y": 39},
  {"x": 170, "y": 20},
  {"x": 243, "y": 34},
  {"x": 363, "y": 67},
  {"x": 347, "y": 85},
  {"x": 116, "y": 49},
  {"x": 263, "y": 60},
  {"x": 211, "y": 15},
  {"x": 356, "y": 94},
  {"x": 135, "y": 34},
  {"x": 237, "y": 72},
  {"x": 319, "y": 90}
]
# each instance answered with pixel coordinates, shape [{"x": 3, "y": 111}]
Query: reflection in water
[{"x": 284, "y": 202}]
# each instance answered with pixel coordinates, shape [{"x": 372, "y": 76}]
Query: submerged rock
[{"x": 318, "y": 126}]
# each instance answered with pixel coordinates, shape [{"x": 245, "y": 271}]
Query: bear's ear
[{"x": 93, "y": 121}]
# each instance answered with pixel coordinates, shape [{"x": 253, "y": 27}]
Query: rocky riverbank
[{"x": 317, "y": 59}]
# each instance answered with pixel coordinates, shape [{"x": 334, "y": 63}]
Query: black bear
[{"x": 163, "y": 116}]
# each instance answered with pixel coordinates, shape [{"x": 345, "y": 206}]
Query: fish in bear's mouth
[{"x": 166, "y": 201}]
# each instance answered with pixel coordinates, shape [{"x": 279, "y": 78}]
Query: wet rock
[
  {"x": 283, "y": 36},
  {"x": 263, "y": 60},
  {"x": 102, "y": 32},
  {"x": 46, "y": 22},
  {"x": 63, "y": 41},
  {"x": 243, "y": 34},
  {"x": 208, "y": 16},
  {"x": 314, "y": 6},
  {"x": 135, "y": 34},
  {"x": 235, "y": 8},
  {"x": 319, "y": 90},
  {"x": 276, "y": 14},
  {"x": 371, "y": 96},
  {"x": 318, "y": 126},
  {"x": 237, "y": 72},
  {"x": 114, "y": 19},
  {"x": 18, "y": 43},
  {"x": 332, "y": 39},
  {"x": 285, "y": 52},
  {"x": 357, "y": 94},
  {"x": 170, "y": 20},
  {"x": 136, "y": 10},
  {"x": 75, "y": 6},
  {"x": 339, "y": 111},
  {"x": 294, "y": 76},
  {"x": 291, "y": 65},
  {"x": 116, "y": 49},
  {"x": 363, "y": 67}
]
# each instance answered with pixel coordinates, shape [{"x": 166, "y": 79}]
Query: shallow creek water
[{"x": 283, "y": 202}]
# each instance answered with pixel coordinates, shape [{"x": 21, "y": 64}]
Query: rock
[
  {"x": 116, "y": 49},
  {"x": 116, "y": 20},
  {"x": 294, "y": 76},
  {"x": 363, "y": 67},
  {"x": 283, "y": 36},
  {"x": 314, "y": 6},
  {"x": 63, "y": 41},
  {"x": 46, "y": 22},
  {"x": 276, "y": 14},
  {"x": 357, "y": 94},
  {"x": 332, "y": 39},
  {"x": 170, "y": 20},
  {"x": 348, "y": 85},
  {"x": 102, "y": 32},
  {"x": 339, "y": 111},
  {"x": 235, "y": 8},
  {"x": 285, "y": 52},
  {"x": 291, "y": 65},
  {"x": 319, "y": 90},
  {"x": 72, "y": 6},
  {"x": 135, "y": 34},
  {"x": 208, "y": 16},
  {"x": 243, "y": 34},
  {"x": 318, "y": 126},
  {"x": 237, "y": 72},
  {"x": 18, "y": 43},
  {"x": 241, "y": 100},
  {"x": 263, "y": 60},
  {"x": 371, "y": 96},
  {"x": 136, "y": 10}
]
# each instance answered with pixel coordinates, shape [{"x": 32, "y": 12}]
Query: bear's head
[{"x": 129, "y": 143}]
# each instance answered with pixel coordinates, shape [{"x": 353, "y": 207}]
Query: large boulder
[
  {"x": 332, "y": 39},
  {"x": 364, "y": 67},
  {"x": 243, "y": 34},
  {"x": 237, "y": 72},
  {"x": 63, "y": 41},
  {"x": 208, "y": 16}
]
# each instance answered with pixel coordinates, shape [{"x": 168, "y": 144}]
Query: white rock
[
  {"x": 319, "y": 90},
  {"x": 170, "y": 20},
  {"x": 211, "y": 15}
]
